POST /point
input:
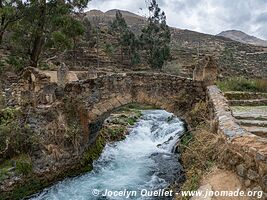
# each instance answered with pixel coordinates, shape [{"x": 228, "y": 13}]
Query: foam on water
[{"x": 125, "y": 164}]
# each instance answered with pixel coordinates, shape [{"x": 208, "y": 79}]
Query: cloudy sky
[{"x": 207, "y": 16}]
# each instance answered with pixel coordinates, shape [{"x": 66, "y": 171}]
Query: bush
[
  {"x": 15, "y": 137},
  {"x": 243, "y": 84},
  {"x": 17, "y": 62},
  {"x": 23, "y": 164},
  {"x": 172, "y": 67},
  {"x": 261, "y": 84}
]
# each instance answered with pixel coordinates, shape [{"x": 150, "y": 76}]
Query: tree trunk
[
  {"x": 39, "y": 37},
  {"x": 1, "y": 36}
]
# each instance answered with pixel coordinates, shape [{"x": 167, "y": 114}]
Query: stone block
[
  {"x": 241, "y": 170},
  {"x": 252, "y": 175}
]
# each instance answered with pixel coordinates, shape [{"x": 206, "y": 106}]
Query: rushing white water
[{"x": 128, "y": 164}]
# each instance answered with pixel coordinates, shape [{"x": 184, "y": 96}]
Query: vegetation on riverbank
[
  {"x": 200, "y": 149},
  {"x": 114, "y": 129}
]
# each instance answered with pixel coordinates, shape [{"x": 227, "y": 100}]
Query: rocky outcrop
[{"x": 33, "y": 87}]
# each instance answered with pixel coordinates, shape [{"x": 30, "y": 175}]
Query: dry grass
[
  {"x": 61, "y": 137},
  {"x": 200, "y": 151},
  {"x": 200, "y": 148}
]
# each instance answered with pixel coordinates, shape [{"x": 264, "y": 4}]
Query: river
[{"x": 139, "y": 167}]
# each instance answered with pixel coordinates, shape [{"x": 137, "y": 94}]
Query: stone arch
[{"x": 101, "y": 95}]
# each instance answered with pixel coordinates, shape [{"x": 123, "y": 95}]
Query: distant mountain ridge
[
  {"x": 134, "y": 21},
  {"x": 240, "y": 36},
  {"x": 246, "y": 58}
]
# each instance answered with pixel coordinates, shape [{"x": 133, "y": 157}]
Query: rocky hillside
[
  {"x": 240, "y": 36},
  {"x": 135, "y": 22},
  {"x": 234, "y": 58},
  {"x": 187, "y": 47}
]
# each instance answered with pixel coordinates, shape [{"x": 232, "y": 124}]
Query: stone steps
[
  {"x": 248, "y": 102},
  {"x": 259, "y": 131},
  {"x": 258, "y": 123},
  {"x": 249, "y": 116}
]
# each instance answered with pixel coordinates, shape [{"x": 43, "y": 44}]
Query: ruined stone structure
[
  {"x": 62, "y": 74},
  {"x": 32, "y": 88},
  {"x": 206, "y": 71}
]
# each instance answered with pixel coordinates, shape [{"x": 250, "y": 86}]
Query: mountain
[
  {"x": 234, "y": 58},
  {"x": 134, "y": 21},
  {"x": 243, "y": 37}
]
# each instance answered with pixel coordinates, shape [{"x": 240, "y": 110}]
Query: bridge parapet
[{"x": 245, "y": 153}]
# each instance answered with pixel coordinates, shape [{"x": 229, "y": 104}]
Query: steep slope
[
  {"x": 187, "y": 47},
  {"x": 234, "y": 58},
  {"x": 135, "y": 22},
  {"x": 240, "y": 36}
]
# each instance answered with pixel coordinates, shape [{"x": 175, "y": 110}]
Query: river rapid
[{"x": 140, "y": 167}]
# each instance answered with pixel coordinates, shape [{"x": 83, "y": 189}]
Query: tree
[
  {"x": 49, "y": 23},
  {"x": 156, "y": 37},
  {"x": 10, "y": 12},
  {"x": 126, "y": 39}
]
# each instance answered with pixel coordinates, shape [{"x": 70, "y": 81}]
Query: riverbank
[{"x": 114, "y": 128}]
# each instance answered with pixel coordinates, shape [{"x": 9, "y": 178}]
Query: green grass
[
  {"x": 131, "y": 120},
  {"x": 4, "y": 169},
  {"x": 243, "y": 84}
]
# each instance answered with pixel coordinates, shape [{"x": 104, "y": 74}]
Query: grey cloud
[
  {"x": 208, "y": 16},
  {"x": 262, "y": 18}
]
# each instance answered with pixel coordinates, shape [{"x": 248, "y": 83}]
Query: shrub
[
  {"x": 23, "y": 164},
  {"x": 15, "y": 136},
  {"x": 17, "y": 62},
  {"x": 261, "y": 84}
]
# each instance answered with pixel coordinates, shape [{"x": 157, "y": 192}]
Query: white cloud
[{"x": 207, "y": 16}]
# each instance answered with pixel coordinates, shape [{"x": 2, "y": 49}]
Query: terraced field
[{"x": 250, "y": 110}]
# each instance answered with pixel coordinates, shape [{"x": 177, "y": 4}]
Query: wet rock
[{"x": 168, "y": 167}]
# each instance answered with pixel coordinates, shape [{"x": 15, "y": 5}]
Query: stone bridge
[
  {"x": 96, "y": 97},
  {"x": 91, "y": 100}
]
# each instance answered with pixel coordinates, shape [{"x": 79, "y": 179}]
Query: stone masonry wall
[
  {"x": 246, "y": 153},
  {"x": 97, "y": 96}
]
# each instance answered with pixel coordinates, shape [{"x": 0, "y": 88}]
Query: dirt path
[{"x": 220, "y": 180}]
